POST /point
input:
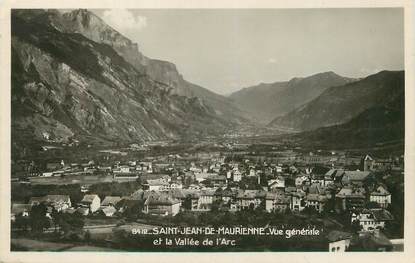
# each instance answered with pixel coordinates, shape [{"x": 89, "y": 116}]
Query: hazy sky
[{"x": 224, "y": 49}]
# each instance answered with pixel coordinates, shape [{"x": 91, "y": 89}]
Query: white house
[
  {"x": 122, "y": 169},
  {"x": 371, "y": 219},
  {"x": 145, "y": 167},
  {"x": 59, "y": 202},
  {"x": 159, "y": 203},
  {"x": 206, "y": 199},
  {"x": 368, "y": 163},
  {"x": 276, "y": 201},
  {"x": 237, "y": 176},
  {"x": 109, "y": 211},
  {"x": 278, "y": 182},
  {"x": 318, "y": 179},
  {"x": 381, "y": 196},
  {"x": 156, "y": 184},
  {"x": 250, "y": 199},
  {"x": 316, "y": 201},
  {"x": 47, "y": 174},
  {"x": 297, "y": 202},
  {"x": 339, "y": 241},
  {"x": 176, "y": 185},
  {"x": 92, "y": 202}
]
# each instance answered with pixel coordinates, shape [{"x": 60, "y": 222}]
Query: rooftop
[
  {"x": 89, "y": 198},
  {"x": 336, "y": 235},
  {"x": 110, "y": 200}
]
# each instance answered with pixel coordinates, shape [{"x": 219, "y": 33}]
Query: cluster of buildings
[
  {"x": 272, "y": 187},
  {"x": 208, "y": 181}
]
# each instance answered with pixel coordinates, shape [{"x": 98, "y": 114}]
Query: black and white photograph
[{"x": 207, "y": 130}]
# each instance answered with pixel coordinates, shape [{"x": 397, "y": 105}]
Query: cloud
[
  {"x": 124, "y": 20},
  {"x": 272, "y": 60}
]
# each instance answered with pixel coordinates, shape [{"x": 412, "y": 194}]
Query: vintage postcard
[{"x": 226, "y": 131}]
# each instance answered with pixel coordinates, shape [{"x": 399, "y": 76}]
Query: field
[
  {"x": 72, "y": 179},
  {"x": 25, "y": 244}
]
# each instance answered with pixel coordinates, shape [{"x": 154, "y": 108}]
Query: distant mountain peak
[
  {"x": 327, "y": 74},
  {"x": 265, "y": 101},
  {"x": 341, "y": 103}
]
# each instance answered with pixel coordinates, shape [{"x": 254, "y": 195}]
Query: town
[{"x": 356, "y": 197}]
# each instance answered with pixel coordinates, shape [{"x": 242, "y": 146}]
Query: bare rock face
[
  {"x": 86, "y": 23},
  {"x": 70, "y": 86}
]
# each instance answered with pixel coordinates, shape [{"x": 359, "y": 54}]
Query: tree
[
  {"x": 216, "y": 205},
  {"x": 309, "y": 210},
  {"x": 288, "y": 211},
  {"x": 133, "y": 210},
  {"x": 87, "y": 236},
  {"x": 187, "y": 203},
  {"x": 55, "y": 218},
  {"x": 21, "y": 222},
  {"x": 38, "y": 220},
  {"x": 70, "y": 222},
  {"x": 355, "y": 226},
  {"x": 372, "y": 205},
  {"x": 263, "y": 180},
  {"x": 186, "y": 218},
  {"x": 261, "y": 206}
]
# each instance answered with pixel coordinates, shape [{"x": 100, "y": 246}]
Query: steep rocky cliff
[
  {"x": 94, "y": 28},
  {"x": 67, "y": 86}
]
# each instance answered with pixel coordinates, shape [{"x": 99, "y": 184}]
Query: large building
[
  {"x": 92, "y": 202},
  {"x": 161, "y": 204},
  {"x": 381, "y": 196},
  {"x": 371, "y": 219}
]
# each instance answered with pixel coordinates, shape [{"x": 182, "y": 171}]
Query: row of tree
[{"x": 40, "y": 220}]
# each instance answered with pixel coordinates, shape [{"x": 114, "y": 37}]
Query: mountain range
[
  {"x": 74, "y": 77},
  {"x": 94, "y": 28},
  {"x": 266, "y": 101},
  {"x": 340, "y": 104},
  {"x": 379, "y": 126}
]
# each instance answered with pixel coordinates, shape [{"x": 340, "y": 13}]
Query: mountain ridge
[
  {"x": 268, "y": 100},
  {"x": 95, "y": 28},
  {"x": 339, "y": 104},
  {"x": 378, "y": 126},
  {"x": 66, "y": 86}
]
